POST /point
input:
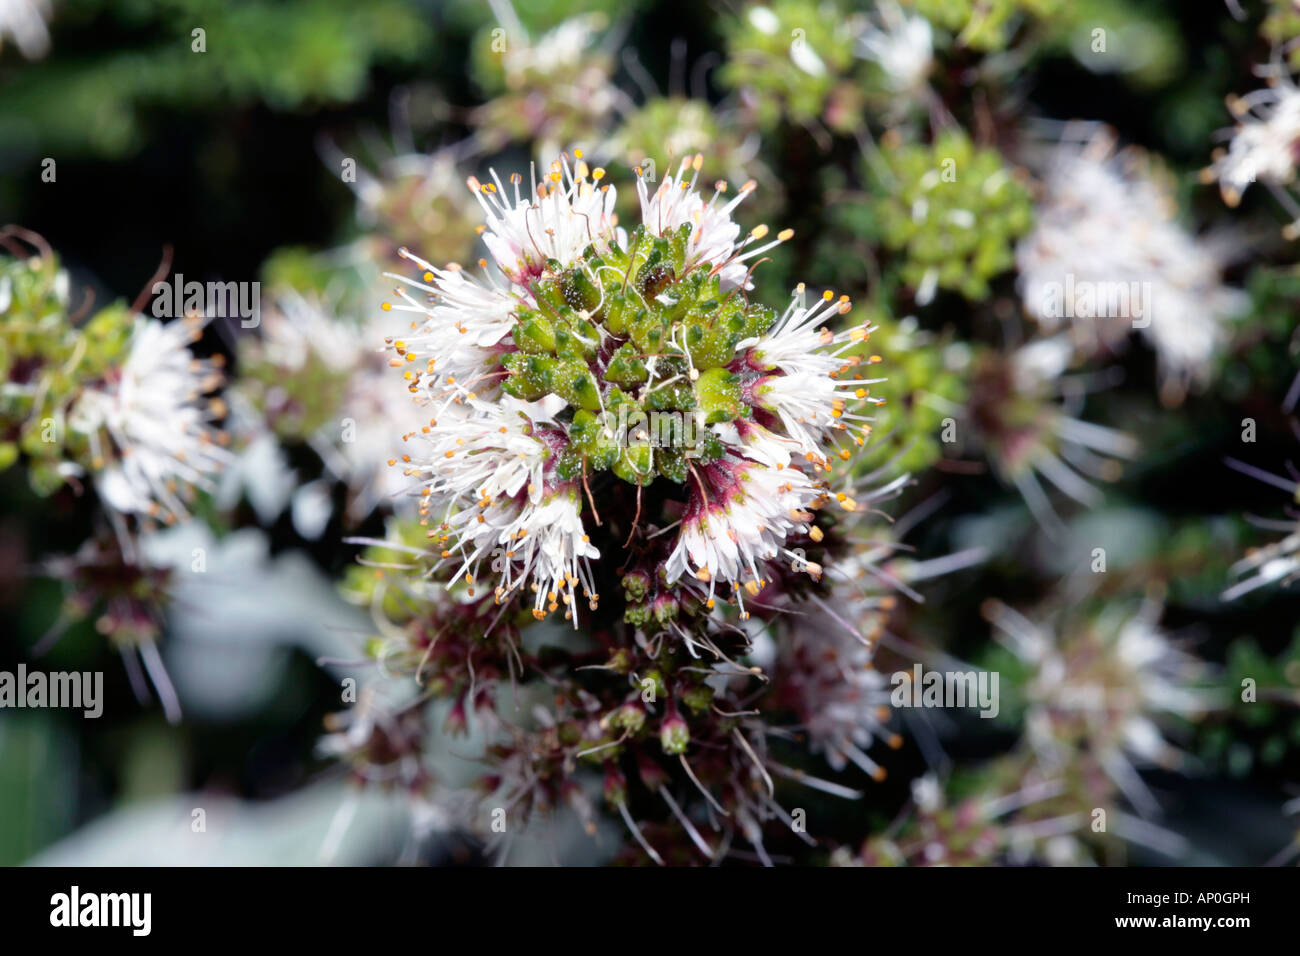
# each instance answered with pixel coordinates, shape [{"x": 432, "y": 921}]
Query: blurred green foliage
[
  {"x": 985, "y": 24},
  {"x": 791, "y": 54},
  {"x": 38, "y": 783},
  {"x": 283, "y": 53},
  {"x": 954, "y": 210}
]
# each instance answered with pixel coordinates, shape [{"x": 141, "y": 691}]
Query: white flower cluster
[
  {"x": 1104, "y": 683},
  {"x": 150, "y": 425},
  {"x": 484, "y": 463},
  {"x": 1263, "y": 145},
  {"x": 1105, "y": 226}
]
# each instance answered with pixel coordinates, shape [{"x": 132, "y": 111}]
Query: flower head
[
  {"x": 322, "y": 380},
  {"x": 150, "y": 426},
  {"x": 1101, "y": 684},
  {"x": 714, "y": 234},
  {"x": 550, "y": 89},
  {"x": 826, "y": 675},
  {"x": 1107, "y": 255},
  {"x": 551, "y": 225},
  {"x": 738, "y": 520},
  {"x": 593, "y": 349},
  {"x": 1264, "y": 144},
  {"x": 1033, "y": 435},
  {"x": 901, "y": 45},
  {"x": 490, "y": 466},
  {"x": 412, "y": 199}
]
